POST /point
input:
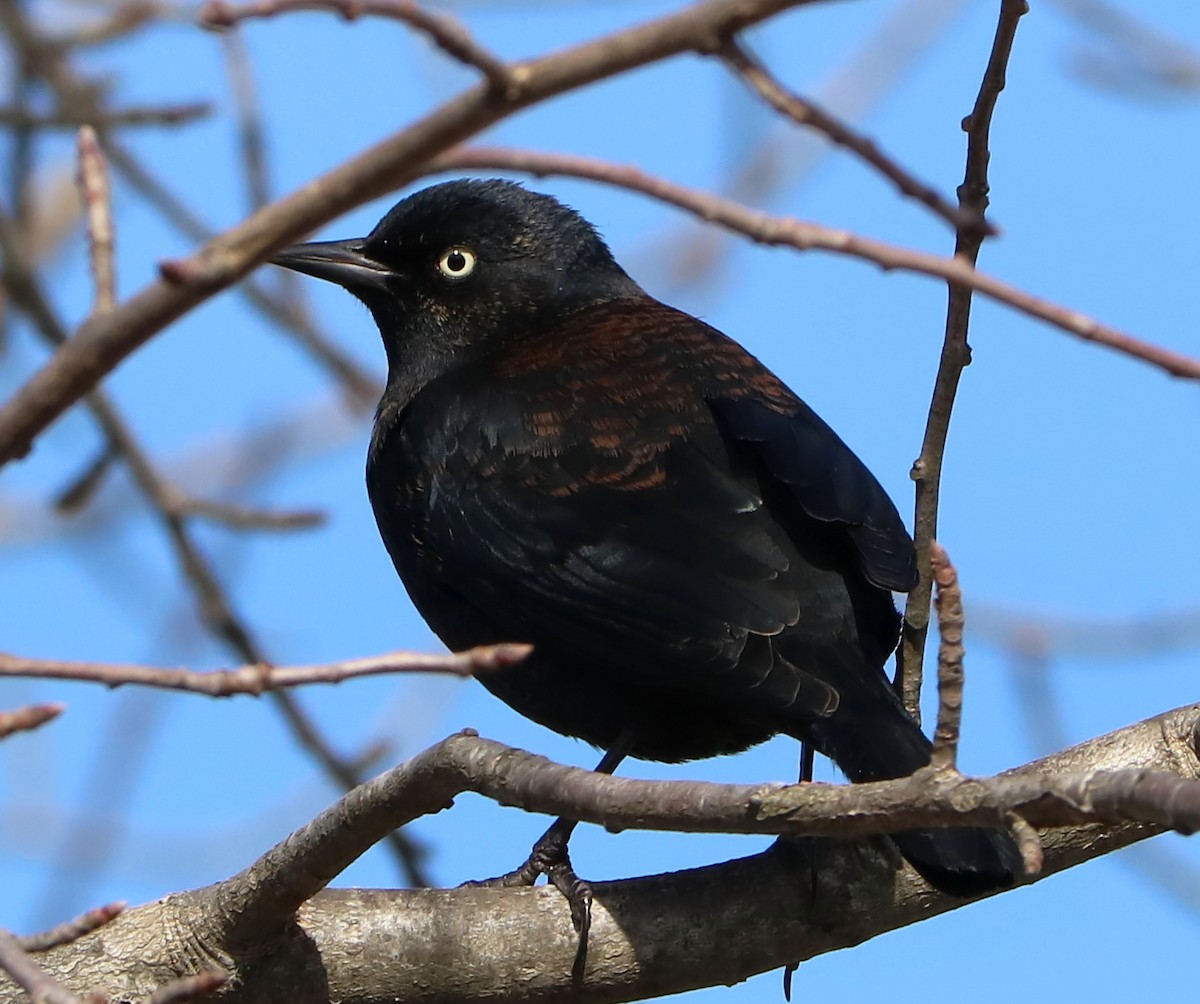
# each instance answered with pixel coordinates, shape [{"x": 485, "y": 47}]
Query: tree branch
[
  {"x": 950, "y": 660},
  {"x": 807, "y": 113},
  {"x": 101, "y": 344},
  {"x": 112, "y": 118},
  {"x": 955, "y": 357},
  {"x": 74, "y": 929},
  {"x": 258, "y": 678},
  {"x": 804, "y": 236},
  {"x": 805, "y": 897},
  {"x": 447, "y": 33},
  {"x": 30, "y": 717}
]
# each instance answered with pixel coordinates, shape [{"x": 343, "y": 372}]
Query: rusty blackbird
[{"x": 698, "y": 560}]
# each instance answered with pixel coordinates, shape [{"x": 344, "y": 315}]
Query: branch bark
[{"x": 804, "y": 897}]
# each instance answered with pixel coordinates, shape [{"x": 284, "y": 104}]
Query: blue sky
[{"x": 1070, "y": 489}]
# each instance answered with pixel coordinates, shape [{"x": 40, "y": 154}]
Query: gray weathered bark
[{"x": 650, "y": 936}]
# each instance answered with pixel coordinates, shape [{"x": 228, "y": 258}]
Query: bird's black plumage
[{"x": 698, "y": 560}]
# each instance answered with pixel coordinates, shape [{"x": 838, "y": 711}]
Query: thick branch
[{"x": 803, "y": 898}]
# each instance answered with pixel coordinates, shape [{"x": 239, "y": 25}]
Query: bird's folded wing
[
  {"x": 798, "y": 450},
  {"x": 666, "y": 569}
]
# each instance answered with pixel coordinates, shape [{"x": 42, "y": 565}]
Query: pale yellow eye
[{"x": 456, "y": 263}]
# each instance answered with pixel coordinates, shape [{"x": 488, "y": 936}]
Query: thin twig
[
  {"x": 950, "y": 660},
  {"x": 98, "y": 347},
  {"x": 97, "y": 203},
  {"x": 20, "y": 161},
  {"x": 256, "y": 679},
  {"x": 30, "y": 717},
  {"x": 72, "y": 930},
  {"x": 238, "y": 462},
  {"x": 17, "y": 117},
  {"x": 77, "y": 97},
  {"x": 804, "y": 236},
  {"x": 447, "y": 33},
  {"x": 83, "y": 487},
  {"x": 216, "y": 610},
  {"x": 1029, "y": 842},
  {"x": 804, "y": 112},
  {"x": 347, "y": 773},
  {"x": 249, "y": 117},
  {"x": 287, "y": 306},
  {"x": 190, "y": 987},
  {"x": 360, "y": 387},
  {"x": 956, "y": 355},
  {"x": 118, "y": 23},
  {"x": 39, "y": 984},
  {"x": 240, "y": 517}
]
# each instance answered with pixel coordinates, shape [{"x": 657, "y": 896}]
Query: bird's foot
[{"x": 550, "y": 857}]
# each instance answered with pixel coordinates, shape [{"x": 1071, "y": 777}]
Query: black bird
[{"x": 698, "y": 560}]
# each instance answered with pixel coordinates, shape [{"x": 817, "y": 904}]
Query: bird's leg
[
  {"x": 807, "y": 758},
  {"x": 807, "y": 755},
  {"x": 550, "y": 857}
]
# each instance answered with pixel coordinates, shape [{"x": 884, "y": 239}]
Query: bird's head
[{"x": 455, "y": 267}]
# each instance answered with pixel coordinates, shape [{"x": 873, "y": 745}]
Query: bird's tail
[{"x": 872, "y": 738}]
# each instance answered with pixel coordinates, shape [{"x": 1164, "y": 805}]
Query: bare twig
[
  {"x": 805, "y": 236},
  {"x": 30, "y": 717},
  {"x": 164, "y": 498},
  {"x": 1092, "y": 638},
  {"x": 228, "y": 463},
  {"x": 39, "y": 984},
  {"x": 20, "y": 162},
  {"x": 258, "y": 679},
  {"x": 97, "y": 202},
  {"x": 17, "y": 117},
  {"x": 950, "y": 660},
  {"x": 249, "y": 114},
  {"x": 360, "y": 387},
  {"x": 896, "y": 44},
  {"x": 1029, "y": 842},
  {"x": 806, "y": 113},
  {"x": 240, "y": 517},
  {"x": 1141, "y": 58},
  {"x": 446, "y": 33},
  {"x": 118, "y": 23},
  {"x": 100, "y": 345},
  {"x": 168, "y": 503},
  {"x": 347, "y": 773},
  {"x": 82, "y": 488},
  {"x": 72, "y": 930},
  {"x": 956, "y": 355},
  {"x": 77, "y": 96},
  {"x": 190, "y": 987}
]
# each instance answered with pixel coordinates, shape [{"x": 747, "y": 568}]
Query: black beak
[{"x": 342, "y": 262}]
